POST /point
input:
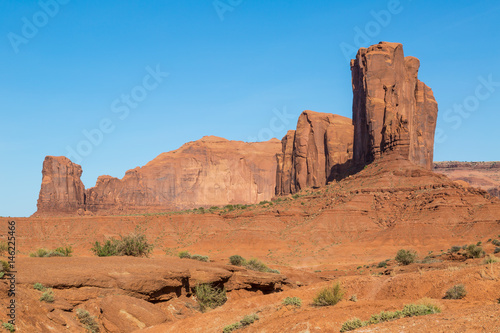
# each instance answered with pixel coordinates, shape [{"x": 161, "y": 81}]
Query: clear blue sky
[{"x": 231, "y": 66}]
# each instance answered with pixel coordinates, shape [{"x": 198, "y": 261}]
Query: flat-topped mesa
[
  {"x": 319, "y": 151},
  {"x": 392, "y": 110},
  {"x": 62, "y": 191}
]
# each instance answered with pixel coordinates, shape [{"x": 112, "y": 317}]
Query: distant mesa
[{"x": 393, "y": 113}]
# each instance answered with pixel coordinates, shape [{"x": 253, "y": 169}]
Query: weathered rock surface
[
  {"x": 320, "y": 150},
  {"x": 392, "y": 110},
  {"x": 484, "y": 175},
  {"x": 211, "y": 171},
  {"x": 62, "y": 191}
]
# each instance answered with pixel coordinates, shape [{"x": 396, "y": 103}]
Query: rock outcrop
[
  {"x": 392, "y": 110},
  {"x": 62, "y": 191},
  {"x": 317, "y": 152},
  {"x": 484, "y": 175},
  {"x": 208, "y": 172}
]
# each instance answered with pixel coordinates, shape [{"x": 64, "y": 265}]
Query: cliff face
[
  {"x": 62, "y": 191},
  {"x": 210, "y": 171},
  {"x": 392, "y": 110},
  {"x": 317, "y": 152},
  {"x": 484, "y": 175}
]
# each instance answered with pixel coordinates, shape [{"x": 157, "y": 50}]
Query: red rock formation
[
  {"x": 392, "y": 110},
  {"x": 62, "y": 191},
  {"x": 319, "y": 151},
  {"x": 208, "y": 172}
]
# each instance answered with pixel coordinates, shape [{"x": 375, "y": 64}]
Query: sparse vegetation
[
  {"x": 474, "y": 251},
  {"x": 490, "y": 259},
  {"x": 187, "y": 255},
  {"x": 425, "y": 307},
  {"x": 295, "y": 301},
  {"x": 456, "y": 292},
  {"x": 455, "y": 249},
  {"x": 353, "y": 298},
  {"x": 4, "y": 247},
  {"x": 135, "y": 245},
  {"x": 39, "y": 286},
  {"x": 47, "y": 296},
  {"x": 9, "y": 327},
  {"x": 382, "y": 264},
  {"x": 497, "y": 249},
  {"x": 59, "y": 252},
  {"x": 406, "y": 257},
  {"x": 209, "y": 297},
  {"x": 495, "y": 242},
  {"x": 329, "y": 295},
  {"x": 246, "y": 321},
  {"x": 237, "y": 260},
  {"x": 87, "y": 320}
]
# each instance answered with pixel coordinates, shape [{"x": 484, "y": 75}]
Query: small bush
[
  {"x": 456, "y": 292},
  {"x": 184, "y": 255},
  {"x": 491, "y": 259},
  {"x": 237, "y": 260},
  {"x": 353, "y": 298},
  {"x": 497, "y": 249},
  {"x": 39, "y": 286},
  {"x": 495, "y": 242},
  {"x": 249, "y": 319},
  {"x": 384, "y": 316},
  {"x": 474, "y": 251},
  {"x": 4, "y": 266},
  {"x": 87, "y": 320},
  {"x": 412, "y": 310},
  {"x": 135, "y": 245},
  {"x": 47, "y": 296},
  {"x": 295, "y": 301},
  {"x": 257, "y": 265},
  {"x": 352, "y": 324},
  {"x": 9, "y": 327},
  {"x": 107, "y": 249},
  {"x": 59, "y": 252},
  {"x": 209, "y": 297},
  {"x": 382, "y": 264},
  {"x": 200, "y": 257},
  {"x": 406, "y": 257},
  {"x": 4, "y": 247},
  {"x": 329, "y": 295},
  {"x": 455, "y": 249},
  {"x": 232, "y": 327},
  {"x": 432, "y": 304}
]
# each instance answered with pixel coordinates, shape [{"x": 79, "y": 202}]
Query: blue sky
[{"x": 225, "y": 68}]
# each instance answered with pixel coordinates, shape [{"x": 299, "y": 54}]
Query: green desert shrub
[
  {"x": 455, "y": 248},
  {"x": 200, "y": 257},
  {"x": 424, "y": 307},
  {"x": 474, "y": 251},
  {"x": 329, "y": 295},
  {"x": 209, "y": 297},
  {"x": 257, "y": 265},
  {"x": 495, "y": 242},
  {"x": 249, "y": 319},
  {"x": 9, "y": 327},
  {"x": 232, "y": 327},
  {"x": 456, "y": 292},
  {"x": 59, "y": 252},
  {"x": 4, "y": 266},
  {"x": 39, "y": 286},
  {"x": 406, "y": 257},
  {"x": 382, "y": 264},
  {"x": 135, "y": 245},
  {"x": 352, "y": 324},
  {"x": 497, "y": 250},
  {"x": 237, "y": 260},
  {"x": 184, "y": 255},
  {"x": 47, "y": 296},
  {"x": 295, "y": 301},
  {"x": 87, "y": 320}
]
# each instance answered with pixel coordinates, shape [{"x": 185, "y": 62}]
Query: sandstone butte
[{"x": 209, "y": 172}]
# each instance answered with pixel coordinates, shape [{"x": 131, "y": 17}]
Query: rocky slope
[
  {"x": 207, "y": 172},
  {"x": 484, "y": 175},
  {"x": 319, "y": 151},
  {"x": 392, "y": 109}
]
